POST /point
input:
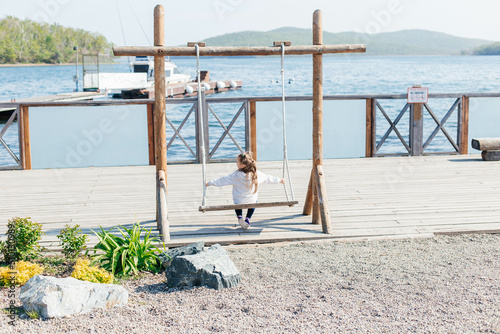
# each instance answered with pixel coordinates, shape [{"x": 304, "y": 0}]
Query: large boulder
[
  {"x": 212, "y": 268},
  {"x": 56, "y": 297},
  {"x": 167, "y": 256}
]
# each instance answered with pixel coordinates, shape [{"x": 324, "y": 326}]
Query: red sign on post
[{"x": 418, "y": 94}]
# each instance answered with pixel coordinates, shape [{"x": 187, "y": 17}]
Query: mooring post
[{"x": 160, "y": 127}]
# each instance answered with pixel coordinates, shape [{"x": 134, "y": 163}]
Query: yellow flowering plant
[
  {"x": 20, "y": 274},
  {"x": 85, "y": 272}
]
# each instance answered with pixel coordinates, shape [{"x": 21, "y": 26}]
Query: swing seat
[{"x": 246, "y": 206}]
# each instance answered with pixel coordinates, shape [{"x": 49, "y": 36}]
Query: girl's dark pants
[{"x": 250, "y": 212}]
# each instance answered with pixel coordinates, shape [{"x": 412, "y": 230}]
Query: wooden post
[
  {"x": 370, "y": 128},
  {"x": 253, "y": 129},
  {"x": 308, "y": 203},
  {"x": 317, "y": 109},
  {"x": 151, "y": 133},
  {"x": 464, "y": 126},
  {"x": 25, "y": 137},
  {"x": 417, "y": 128},
  {"x": 160, "y": 127},
  {"x": 323, "y": 200}
]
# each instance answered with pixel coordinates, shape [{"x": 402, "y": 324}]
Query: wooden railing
[
  {"x": 404, "y": 122},
  {"x": 416, "y": 143}
]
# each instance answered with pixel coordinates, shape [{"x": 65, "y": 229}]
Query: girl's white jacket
[{"x": 242, "y": 185}]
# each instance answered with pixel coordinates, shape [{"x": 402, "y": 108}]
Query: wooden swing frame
[{"x": 316, "y": 199}]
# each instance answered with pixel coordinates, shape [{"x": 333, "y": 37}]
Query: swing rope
[
  {"x": 286, "y": 169},
  {"x": 202, "y": 126}
]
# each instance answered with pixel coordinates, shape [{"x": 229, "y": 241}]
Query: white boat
[{"x": 140, "y": 77}]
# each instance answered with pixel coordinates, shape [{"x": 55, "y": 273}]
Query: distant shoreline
[{"x": 35, "y": 65}]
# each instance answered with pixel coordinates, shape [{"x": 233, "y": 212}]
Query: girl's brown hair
[{"x": 249, "y": 167}]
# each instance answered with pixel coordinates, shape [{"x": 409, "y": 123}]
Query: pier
[
  {"x": 373, "y": 194},
  {"x": 383, "y": 198}
]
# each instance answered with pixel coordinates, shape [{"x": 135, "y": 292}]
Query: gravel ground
[{"x": 447, "y": 284}]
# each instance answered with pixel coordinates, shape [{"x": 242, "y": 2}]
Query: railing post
[
  {"x": 253, "y": 128},
  {"x": 416, "y": 128},
  {"x": 464, "y": 126},
  {"x": 370, "y": 128},
  {"x": 25, "y": 148}
]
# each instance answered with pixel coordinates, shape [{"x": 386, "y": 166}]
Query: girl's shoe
[
  {"x": 247, "y": 221},
  {"x": 243, "y": 222}
]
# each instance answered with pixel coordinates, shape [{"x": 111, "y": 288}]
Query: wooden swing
[
  {"x": 286, "y": 170},
  {"x": 316, "y": 202}
]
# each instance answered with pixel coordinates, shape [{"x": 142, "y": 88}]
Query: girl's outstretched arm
[
  {"x": 223, "y": 181},
  {"x": 265, "y": 178}
]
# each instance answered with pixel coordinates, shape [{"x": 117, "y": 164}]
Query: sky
[{"x": 130, "y": 22}]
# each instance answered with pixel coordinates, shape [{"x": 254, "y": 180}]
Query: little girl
[{"x": 245, "y": 182}]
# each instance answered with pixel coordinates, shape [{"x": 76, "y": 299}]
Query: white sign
[{"x": 418, "y": 94}]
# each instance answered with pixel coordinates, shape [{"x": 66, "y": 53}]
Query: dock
[
  {"x": 381, "y": 198},
  {"x": 5, "y": 112}
]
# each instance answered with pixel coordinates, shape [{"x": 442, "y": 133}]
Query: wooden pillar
[
  {"x": 323, "y": 200},
  {"x": 317, "y": 110},
  {"x": 253, "y": 128},
  {"x": 417, "y": 130},
  {"x": 464, "y": 126},
  {"x": 160, "y": 127},
  {"x": 25, "y": 148},
  {"x": 308, "y": 203},
  {"x": 370, "y": 128},
  {"x": 151, "y": 134}
]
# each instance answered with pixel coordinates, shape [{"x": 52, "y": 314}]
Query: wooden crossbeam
[{"x": 225, "y": 51}]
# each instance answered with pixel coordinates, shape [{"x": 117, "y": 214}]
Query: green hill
[
  {"x": 26, "y": 41},
  {"x": 406, "y": 42}
]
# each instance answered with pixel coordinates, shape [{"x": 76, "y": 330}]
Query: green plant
[
  {"x": 85, "y": 272},
  {"x": 72, "y": 241},
  {"x": 122, "y": 256},
  {"x": 25, "y": 235},
  {"x": 33, "y": 314},
  {"x": 20, "y": 274}
]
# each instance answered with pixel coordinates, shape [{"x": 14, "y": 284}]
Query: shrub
[
  {"x": 21, "y": 273},
  {"x": 122, "y": 256},
  {"x": 83, "y": 271},
  {"x": 72, "y": 241},
  {"x": 26, "y": 236}
]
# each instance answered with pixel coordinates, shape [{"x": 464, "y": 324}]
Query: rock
[
  {"x": 167, "y": 256},
  {"x": 57, "y": 297},
  {"x": 212, "y": 268}
]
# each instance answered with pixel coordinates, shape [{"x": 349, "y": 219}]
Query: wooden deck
[{"x": 393, "y": 197}]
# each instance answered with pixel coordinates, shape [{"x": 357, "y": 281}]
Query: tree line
[
  {"x": 492, "y": 49},
  {"x": 29, "y": 42}
]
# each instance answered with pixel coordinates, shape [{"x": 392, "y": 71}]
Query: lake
[{"x": 261, "y": 75}]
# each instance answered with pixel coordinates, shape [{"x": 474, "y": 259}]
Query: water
[{"x": 342, "y": 75}]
